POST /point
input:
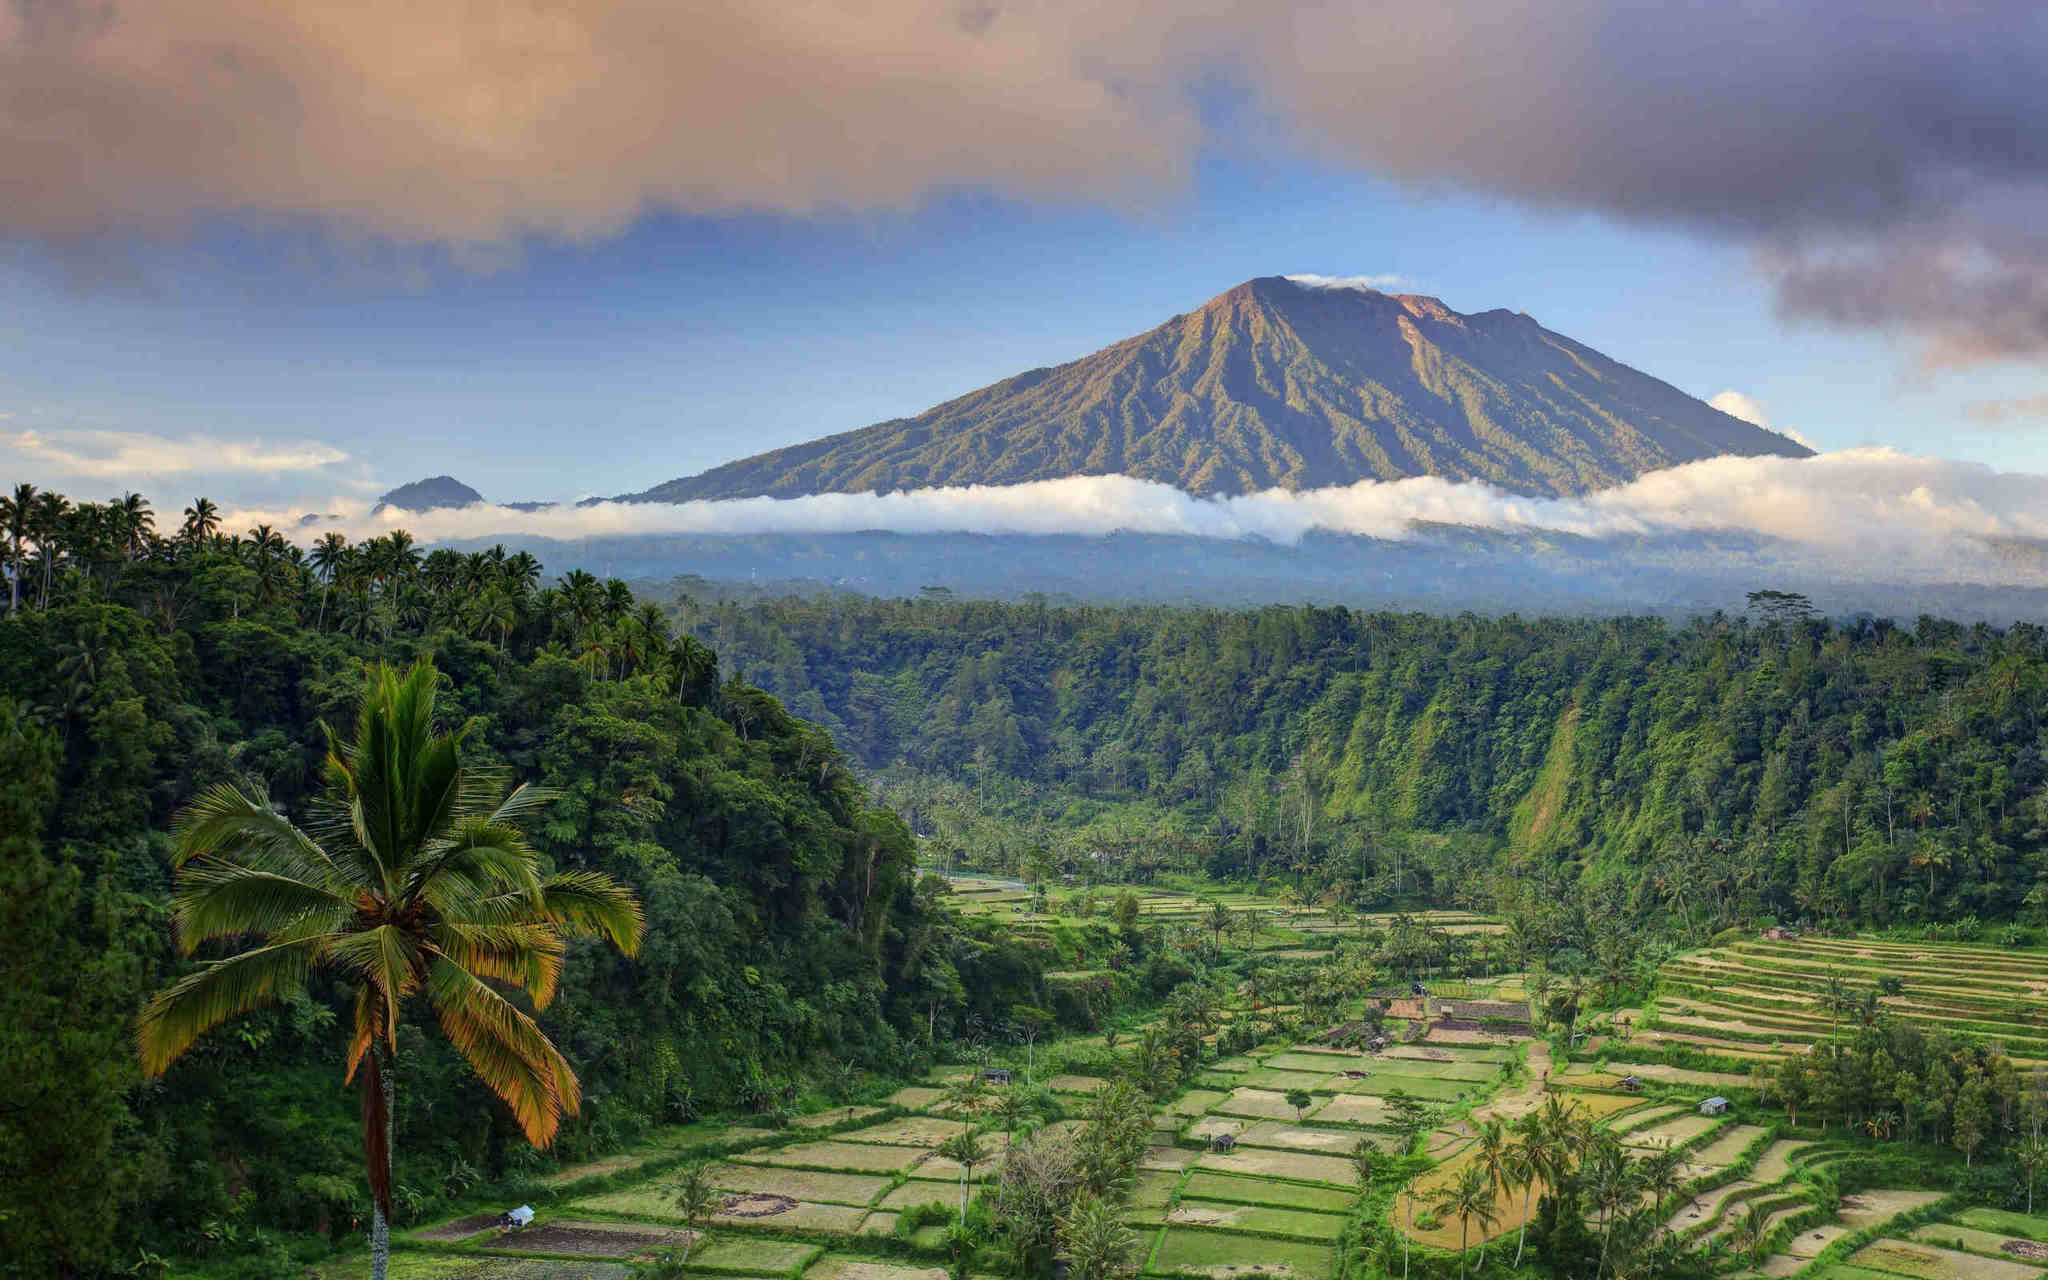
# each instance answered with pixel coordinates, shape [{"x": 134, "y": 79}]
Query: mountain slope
[
  {"x": 1279, "y": 383},
  {"x": 431, "y": 494}
]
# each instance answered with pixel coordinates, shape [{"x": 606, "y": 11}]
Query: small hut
[{"x": 1714, "y": 1106}]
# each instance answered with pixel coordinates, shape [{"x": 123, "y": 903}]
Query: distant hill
[
  {"x": 432, "y": 494},
  {"x": 1283, "y": 383}
]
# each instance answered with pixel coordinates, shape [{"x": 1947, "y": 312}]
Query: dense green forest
[
  {"x": 1610, "y": 787},
  {"x": 1773, "y": 764},
  {"x": 786, "y": 938}
]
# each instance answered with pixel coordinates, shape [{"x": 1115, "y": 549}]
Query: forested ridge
[
  {"x": 1775, "y": 764},
  {"x": 785, "y": 937}
]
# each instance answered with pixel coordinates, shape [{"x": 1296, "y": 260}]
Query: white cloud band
[
  {"x": 134, "y": 457},
  {"x": 1886, "y": 511}
]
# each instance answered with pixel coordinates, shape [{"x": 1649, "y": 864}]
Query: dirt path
[{"x": 1511, "y": 1107}]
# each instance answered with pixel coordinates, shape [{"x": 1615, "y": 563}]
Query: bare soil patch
[
  {"x": 1868, "y": 1208},
  {"x": 834, "y": 1268},
  {"x": 591, "y": 1239},
  {"x": 1284, "y": 1164},
  {"x": 460, "y": 1229},
  {"x": 838, "y": 1115},
  {"x": 909, "y": 1131}
]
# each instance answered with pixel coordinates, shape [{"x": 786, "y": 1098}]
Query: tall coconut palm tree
[
  {"x": 1471, "y": 1199},
  {"x": 202, "y": 521},
  {"x": 1534, "y": 1164},
  {"x": 413, "y": 880},
  {"x": 52, "y": 510},
  {"x": 1494, "y": 1157},
  {"x": 522, "y": 571},
  {"x": 330, "y": 554},
  {"x": 1662, "y": 1176},
  {"x": 136, "y": 524},
  {"x": 17, "y": 519},
  {"x": 966, "y": 1150}
]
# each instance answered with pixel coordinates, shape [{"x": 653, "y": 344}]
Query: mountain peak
[
  {"x": 1292, "y": 382},
  {"x": 431, "y": 494}
]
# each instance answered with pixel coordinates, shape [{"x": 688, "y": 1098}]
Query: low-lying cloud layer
[
  {"x": 1887, "y": 159},
  {"x": 1878, "y": 513}
]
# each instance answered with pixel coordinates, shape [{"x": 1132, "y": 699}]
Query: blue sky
[
  {"x": 587, "y": 264},
  {"x": 690, "y": 341}
]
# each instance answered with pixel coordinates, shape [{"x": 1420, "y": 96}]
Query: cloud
[
  {"x": 131, "y": 455},
  {"x": 474, "y": 124},
  {"x": 1860, "y": 509},
  {"x": 1756, "y": 413},
  {"x": 1997, "y": 413},
  {"x": 1883, "y": 158},
  {"x": 1381, "y": 282}
]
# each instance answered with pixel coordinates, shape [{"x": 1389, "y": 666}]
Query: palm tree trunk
[
  {"x": 1524, "y": 1238},
  {"x": 1464, "y": 1232},
  {"x": 378, "y": 1087},
  {"x": 1605, "y": 1236}
]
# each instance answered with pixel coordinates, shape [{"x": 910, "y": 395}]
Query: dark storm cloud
[{"x": 1887, "y": 159}]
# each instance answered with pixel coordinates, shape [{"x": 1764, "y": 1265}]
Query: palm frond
[
  {"x": 363, "y": 1030},
  {"x": 526, "y": 955},
  {"x": 433, "y": 792},
  {"x": 524, "y": 801},
  {"x": 207, "y": 997},
  {"x": 483, "y": 790},
  {"x": 387, "y": 961},
  {"x": 505, "y": 1048},
  {"x": 593, "y": 904},
  {"x": 373, "y": 793},
  {"x": 226, "y": 820},
  {"x": 480, "y": 856},
  {"x": 216, "y": 898}
]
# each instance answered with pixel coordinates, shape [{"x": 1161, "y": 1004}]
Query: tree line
[{"x": 788, "y": 940}]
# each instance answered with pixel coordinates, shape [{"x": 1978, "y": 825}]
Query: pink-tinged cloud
[{"x": 1887, "y": 159}]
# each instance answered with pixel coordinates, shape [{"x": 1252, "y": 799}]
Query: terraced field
[
  {"x": 1966, "y": 1244},
  {"x": 1278, "y": 920},
  {"x": 804, "y": 1203},
  {"x": 1275, "y": 1203},
  {"x": 1759, "y": 999}
]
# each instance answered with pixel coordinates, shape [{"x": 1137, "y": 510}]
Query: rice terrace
[{"x": 1339, "y": 1117}]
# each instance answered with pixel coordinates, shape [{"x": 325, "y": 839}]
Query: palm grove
[{"x": 168, "y": 779}]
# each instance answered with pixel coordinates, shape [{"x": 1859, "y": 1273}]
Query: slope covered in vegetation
[
  {"x": 785, "y": 935},
  {"x": 1782, "y": 765}
]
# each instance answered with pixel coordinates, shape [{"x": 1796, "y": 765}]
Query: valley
[
  {"x": 960, "y": 937},
  {"x": 1323, "y": 1156}
]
